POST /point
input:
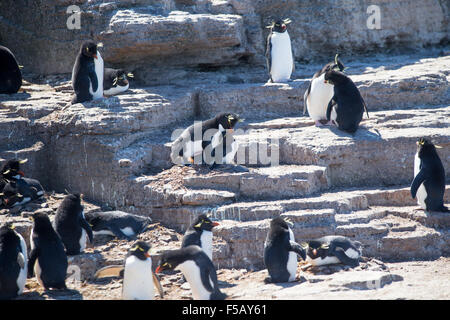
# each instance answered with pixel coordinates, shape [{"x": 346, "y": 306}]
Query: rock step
[{"x": 265, "y": 183}]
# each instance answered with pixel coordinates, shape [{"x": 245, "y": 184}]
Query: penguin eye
[
  {"x": 87, "y": 49},
  {"x": 205, "y": 221}
]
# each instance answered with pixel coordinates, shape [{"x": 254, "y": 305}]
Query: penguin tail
[
  {"x": 218, "y": 295},
  {"x": 444, "y": 209}
]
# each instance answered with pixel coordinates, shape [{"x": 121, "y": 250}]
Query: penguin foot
[
  {"x": 318, "y": 123},
  {"x": 331, "y": 123}
]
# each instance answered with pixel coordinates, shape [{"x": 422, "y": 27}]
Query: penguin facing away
[
  {"x": 115, "y": 81},
  {"x": 10, "y": 75},
  {"x": 13, "y": 262},
  {"x": 117, "y": 223},
  {"x": 347, "y": 106},
  {"x": 280, "y": 252},
  {"x": 48, "y": 259},
  {"x": 429, "y": 177},
  {"x": 188, "y": 146},
  {"x": 138, "y": 279},
  {"x": 71, "y": 225},
  {"x": 319, "y": 93},
  {"x": 200, "y": 233},
  {"x": 280, "y": 61},
  {"x": 198, "y": 270},
  {"x": 332, "y": 250},
  {"x": 87, "y": 73}
]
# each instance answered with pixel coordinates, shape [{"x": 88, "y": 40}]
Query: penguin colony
[{"x": 331, "y": 99}]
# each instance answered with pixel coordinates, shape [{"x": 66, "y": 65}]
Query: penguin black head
[
  {"x": 72, "y": 203},
  {"x": 42, "y": 223},
  {"x": 227, "y": 120},
  {"x": 279, "y": 25},
  {"x": 10, "y": 194},
  {"x": 121, "y": 77},
  {"x": 89, "y": 49},
  {"x": 279, "y": 223},
  {"x": 335, "y": 77},
  {"x": 204, "y": 223},
  {"x": 7, "y": 232},
  {"x": 425, "y": 146},
  {"x": 170, "y": 259},
  {"x": 317, "y": 249},
  {"x": 12, "y": 168},
  {"x": 336, "y": 65},
  {"x": 141, "y": 250}
]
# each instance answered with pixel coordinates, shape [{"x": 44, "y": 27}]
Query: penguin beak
[
  {"x": 215, "y": 224},
  {"x": 158, "y": 270},
  {"x": 314, "y": 252},
  {"x": 325, "y": 81},
  {"x": 21, "y": 173},
  {"x": 147, "y": 254},
  {"x": 95, "y": 56}
]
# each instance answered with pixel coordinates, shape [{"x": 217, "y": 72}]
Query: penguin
[
  {"x": 117, "y": 223},
  {"x": 137, "y": 274},
  {"x": 71, "y": 225},
  {"x": 198, "y": 270},
  {"x": 188, "y": 145},
  {"x": 13, "y": 262},
  {"x": 11, "y": 169},
  {"x": 48, "y": 260},
  {"x": 10, "y": 75},
  {"x": 87, "y": 73},
  {"x": 333, "y": 249},
  {"x": 280, "y": 252},
  {"x": 429, "y": 177},
  {"x": 11, "y": 197},
  {"x": 319, "y": 93},
  {"x": 347, "y": 106},
  {"x": 115, "y": 81},
  {"x": 200, "y": 233},
  {"x": 280, "y": 61}
]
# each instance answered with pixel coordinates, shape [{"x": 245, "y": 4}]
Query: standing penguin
[
  {"x": 10, "y": 75},
  {"x": 191, "y": 141},
  {"x": 200, "y": 233},
  {"x": 429, "y": 177},
  {"x": 319, "y": 93},
  {"x": 115, "y": 81},
  {"x": 71, "y": 225},
  {"x": 280, "y": 252},
  {"x": 198, "y": 270},
  {"x": 87, "y": 73},
  {"x": 117, "y": 223},
  {"x": 137, "y": 274},
  {"x": 347, "y": 106},
  {"x": 280, "y": 61},
  {"x": 47, "y": 257},
  {"x": 13, "y": 262},
  {"x": 333, "y": 249}
]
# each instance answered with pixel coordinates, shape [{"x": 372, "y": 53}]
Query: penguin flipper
[
  {"x": 20, "y": 260},
  {"x": 340, "y": 254},
  {"x": 269, "y": 53},
  {"x": 298, "y": 249},
  {"x": 33, "y": 256},
  {"x": 87, "y": 227},
  {"x": 305, "y": 97},
  {"x": 418, "y": 180},
  {"x": 93, "y": 77},
  {"x": 364, "y": 104},
  {"x": 158, "y": 285},
  {"x": 110, "y": 271},
  {"x": 330, "y": 107}
]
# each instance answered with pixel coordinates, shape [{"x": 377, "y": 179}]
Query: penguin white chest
[
  {"x": 322, "y": 261},
  {"x": 83, "y": 240},
  {"x": 116, "y": 90},
  {"x": 206, "y": 242},
  {"x": 281, "y": 55},
  {"x": 21, "y": 280},
  {"x": 421, "y": 192},
  {"x": 98, "y": 63},
  {"x": 319, "y": 97},
  {"x": 292, "y": 260},
  {"x": 192, "y": 274},
  {"x": 138, "y": 279}
]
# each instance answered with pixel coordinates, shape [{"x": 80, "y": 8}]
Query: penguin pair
[
  {"x": 331, "y": 250},
  {"x": 197, "y": 268},
  {"x": 10, "y": 75},
  {"x": 117, "y": 223},
  {"x": 13, "y": 262},
  {"x": 115, "y": 81},
  {"x": 429, "y": 177},
  {"x": 200, "y": 233},
  {"x": 279, "y": 58},
  {"x": 48, "y": 259},
  {"x": 139, "y": 281},
  {"x": 87, "y": 73},
  {"x": 319, "y": 93},
  {"x": 280, "y": 252},
  {"x": 205, "y": 138},
  {"x": 71, "y": 225}
]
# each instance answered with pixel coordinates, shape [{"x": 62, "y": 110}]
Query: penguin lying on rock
[
  {"x": 117, "y": 223},
  {"x": 280, "y": 252},
  {"x": 115, "y": 81},
  {"x": 200, "y": 233},
  {"x": 16, "y": 193},
  {"x": 331, "y": 250},
  {"x": 319, "y": 93},
  {"x": 197, "y": 269},
  {"x": 138, "y": 278},
  {"x": 13, "y": 262},
  {"x": 429, "y": 177}
]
